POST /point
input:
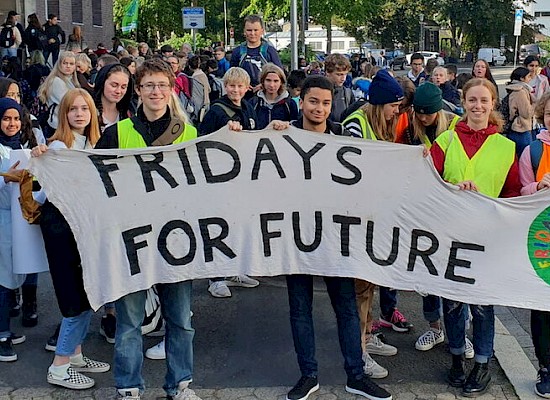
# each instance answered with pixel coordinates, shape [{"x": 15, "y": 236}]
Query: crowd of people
[{"x": 130, "y": 98}]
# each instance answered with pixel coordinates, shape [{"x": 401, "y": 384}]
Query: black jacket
[
  {"x": 217, "y": 117},
  {"x": 54, "y": 32},
  {"x": 333, "y": 128}
]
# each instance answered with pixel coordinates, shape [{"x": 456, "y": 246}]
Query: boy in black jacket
[{"x": 230, "y": 108}]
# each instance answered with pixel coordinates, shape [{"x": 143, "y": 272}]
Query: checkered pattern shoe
[
  {"x": 75, "y": 380},
  {"x": 91, "y": 366}
]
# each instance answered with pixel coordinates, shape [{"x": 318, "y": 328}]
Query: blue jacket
[{"x": 283, "y": 109}]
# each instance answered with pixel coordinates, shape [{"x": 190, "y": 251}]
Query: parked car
[
  {"x": 529, "y": 50},
  {"x": 492, "y": 55},
  {"x": 427, "y": 55},
  {"x": 396, "y": 58}
]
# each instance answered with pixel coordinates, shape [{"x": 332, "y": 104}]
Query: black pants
[
  {"x": 540, "y": 332},
  {"x": 64, "y": 261}
]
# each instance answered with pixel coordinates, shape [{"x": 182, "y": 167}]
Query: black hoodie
[{"x": 216, "y": 117}]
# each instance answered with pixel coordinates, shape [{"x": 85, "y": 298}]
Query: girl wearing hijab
[{"x": 10, "y": 139}]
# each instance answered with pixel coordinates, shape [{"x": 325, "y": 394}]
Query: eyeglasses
[
  {"x": 13, "y": 95},
  {"x": 150, "y": 87},
  {"x": 174, "y": 63}
]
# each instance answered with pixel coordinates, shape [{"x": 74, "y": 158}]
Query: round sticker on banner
[{"x": 538, "y": 245}]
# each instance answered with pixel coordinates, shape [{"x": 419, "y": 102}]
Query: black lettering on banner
[
  {"x": 182, "y": 153},
  {"x": 147, "y": 168},
  {"x": 307, "y": 248},
  {"x": 209, "y": 243},
  {"x": 306, "y": 156},
  {"x": 345, "y": 221},
  {"x": 394, "y": 245},
  {"x": 266, "y": 234},
  {"x": 132, "y": 247},
  {"x": 345, "y": 163},
  {"x": 457, "y": 262},
  {"x": 104, "y": 170},
  {"x": 202, "y": 149},
  {"x": 424, "y": 254},
  {"x": 162, "y": 242},
  {"x": 271, "y": 155}
]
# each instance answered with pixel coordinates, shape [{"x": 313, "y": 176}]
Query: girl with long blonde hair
[{"x": 61, "y": 79}]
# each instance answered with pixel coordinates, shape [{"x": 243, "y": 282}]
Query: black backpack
[
  {"x": 505, "y": 111},
  {"x": 7, "y": 37}
]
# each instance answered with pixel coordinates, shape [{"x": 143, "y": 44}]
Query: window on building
[
  {"x": 353, "y": 43},
  {"x": 97, "y": 17},
  {"x": 76, "y": 7},
  {"x": 53, "y": 8},
  {"x": 542, "y": 14},
  {"x": 316, "y": 45},
  {"x": 338, "y": 45}
]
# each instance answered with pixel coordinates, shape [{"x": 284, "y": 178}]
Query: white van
[{"x": 492, "y": 55}]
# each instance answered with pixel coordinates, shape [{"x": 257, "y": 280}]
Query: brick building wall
[{"x": 95, "y": 18}]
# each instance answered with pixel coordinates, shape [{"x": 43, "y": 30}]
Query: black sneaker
[
  {"x": 108, "y": 328},
  {"x": 15, "y": 303},
  {"x": 51, "y": 344},
  {"x": 6, "y": 350},
  {"x": 17, "y": 339},
  {"x": 456, "y": 375},
  {"x": 367, "y": 388},
  {"x": 30, "y": 317},
  {"x": 305, "y": 386},
  {"x": 542, "y": 388},
  {"x": 478, "y": 380}
]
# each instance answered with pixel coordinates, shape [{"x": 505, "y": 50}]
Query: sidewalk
[{"x": 243, "y": 351}]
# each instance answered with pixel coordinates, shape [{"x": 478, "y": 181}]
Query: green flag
[{"x": 130, "y": 20}]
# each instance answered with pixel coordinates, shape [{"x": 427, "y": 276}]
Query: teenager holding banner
[
  {"x": 153, "y": 125},
  {"x": 429, "y": 121},
  {"x": 77, "y": 129},
  {"x": 316, "y": 102},
  {"x": 10, "y": 138},
  {"x": 377, "y": 120},
  {"x": 534, "y": 172},
  {"x": 475, "y": 157},
  {"x": 233, "y": 110}
]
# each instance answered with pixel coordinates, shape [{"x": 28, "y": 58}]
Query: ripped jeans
[{"x": 483, "y": 328}]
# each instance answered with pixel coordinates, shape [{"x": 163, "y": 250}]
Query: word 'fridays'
[{"x": 265, "y": 153}]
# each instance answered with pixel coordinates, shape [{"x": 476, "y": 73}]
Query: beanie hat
[
  {"x": 384, "y": 89},
  {"x": 428, "y": 99}
]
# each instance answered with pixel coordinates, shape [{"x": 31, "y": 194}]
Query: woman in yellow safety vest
[
  {"x": 377, "y": 120},
  {"x": 475, "y": 157}
]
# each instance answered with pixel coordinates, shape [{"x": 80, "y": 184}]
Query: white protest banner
[{"x": 269, "y": 203}]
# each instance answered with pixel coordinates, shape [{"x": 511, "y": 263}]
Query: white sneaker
[
  {"x": 378, "y": 347},
  {"x": 372, "y": 369},
  {"x": 156, "y": 352},
  {"x": 128, "y": 394},
  {"x": 469, "y": 349},
  {"x": 219, "y": 289},
  {"x": 242, "y": 281},
  {"x": 429, "y": 339},
  {"x": 184, "y": 393}
]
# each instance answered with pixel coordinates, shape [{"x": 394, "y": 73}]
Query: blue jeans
[
  {"x": 521, "y": 139},
  {"x": 72, "y": 332},
  {"x": 5, "y": 305},
  {"x": 483, "y": 328},
  {"x": 9, "y": 52},
  {"x": 431, "y": 308},
  {"x": 388, "y": 301},
  {"x": 175, "y": 302},
  {"x": 342, "y": 296}
]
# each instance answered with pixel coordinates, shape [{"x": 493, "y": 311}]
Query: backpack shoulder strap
[
  {"x": 242, "y": 52},
  {"x": 535, "y": 148},
  {"x": 228, "y": 111}
]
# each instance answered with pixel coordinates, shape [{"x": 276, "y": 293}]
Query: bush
[{"x": 176, "y": 42}]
